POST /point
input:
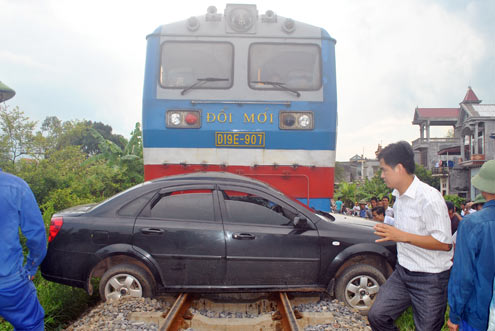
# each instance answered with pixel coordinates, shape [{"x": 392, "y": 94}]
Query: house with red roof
[{"x": 457, "y": 158}]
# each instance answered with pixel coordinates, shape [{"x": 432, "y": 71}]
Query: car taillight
[{"x": 55, "y": 226}]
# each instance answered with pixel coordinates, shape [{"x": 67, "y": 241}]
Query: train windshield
[
  {"x": 294, "y": 66},
  {"x": 184, "y": 64}
]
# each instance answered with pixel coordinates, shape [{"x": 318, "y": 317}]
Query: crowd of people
[{"x": 375, "y": 209}]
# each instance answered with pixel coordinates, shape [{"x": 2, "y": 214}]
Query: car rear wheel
[
  {"x": 125, "y": 280},
  {"x": 358, "y": 286}
]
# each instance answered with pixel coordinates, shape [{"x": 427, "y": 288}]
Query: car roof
[{"x": 215, "y": 176}]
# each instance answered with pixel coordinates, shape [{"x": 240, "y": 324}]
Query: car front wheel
[
  {"x": 125, "y": 280},
  {"x": 358, "y": 286}
]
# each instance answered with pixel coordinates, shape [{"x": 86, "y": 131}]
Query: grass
[{"x": 406, "y": 323}]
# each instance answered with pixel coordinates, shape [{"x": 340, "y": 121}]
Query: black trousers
[{"x": 426, "y": 292}]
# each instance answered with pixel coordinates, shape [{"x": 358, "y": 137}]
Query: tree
[
  {"x": 374, "y": 187},
  {"x": 347, "y": 192},
  {"x": 425, "y": 176},
  {"x": 89, "y": 135},
  {"x": 17, "y": 137}
]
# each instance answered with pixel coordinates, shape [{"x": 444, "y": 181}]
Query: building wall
[
  {"x": 354, "y": 170},
  {"x": 489, "y": 142},
  {"x": 459, "y": 181}
]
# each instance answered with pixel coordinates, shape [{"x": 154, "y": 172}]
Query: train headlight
[
  {"x": 175, "y": 119},
  {"x": 183, "y": 119},
  {"x": 241, "y": 18},
  {"x": 296, "y": 120},
  {"x": 304, "y": 121}
]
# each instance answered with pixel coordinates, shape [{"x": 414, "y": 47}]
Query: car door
[
  {"x": 181, "y": 229},
  {"x": 264, "y": 248}
]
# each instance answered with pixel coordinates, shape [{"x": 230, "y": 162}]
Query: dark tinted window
[
  {"x": 135, "y": 206},
  {"x": 185, "y": 205},
  {"x": 249, "y": 208}
]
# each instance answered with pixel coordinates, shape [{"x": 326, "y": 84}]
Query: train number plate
[{"x": 240, "y": 139}]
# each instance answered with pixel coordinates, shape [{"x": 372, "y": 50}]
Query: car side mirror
[{"x": 300, "y": 222}]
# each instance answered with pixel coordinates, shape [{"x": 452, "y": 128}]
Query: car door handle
[
  {"x": 152, "y": 231},
  {"x": 243, "y": 236}
]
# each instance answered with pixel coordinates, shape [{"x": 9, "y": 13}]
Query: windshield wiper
[
  {"x": 277, "y": 84},
  {"x": 201, "y": 81}
]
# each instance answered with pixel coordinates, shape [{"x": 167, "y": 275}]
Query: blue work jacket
[
  {"x": 19, "y": 210},
  {"x": 470, "y": 284}
]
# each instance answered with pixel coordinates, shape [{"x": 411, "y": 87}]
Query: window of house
[{"x": 481, "y": 139}]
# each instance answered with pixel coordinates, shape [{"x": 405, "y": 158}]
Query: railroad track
[
  {"x": 179, "y": 314},
  {"x": 236, "y": 312},
  {"x": 204, "y": 312}
]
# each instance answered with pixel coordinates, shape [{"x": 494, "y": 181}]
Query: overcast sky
[{"x": 85, "y": 59}]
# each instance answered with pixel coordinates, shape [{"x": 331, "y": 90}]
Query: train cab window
[
  {"x": 294, "y": 66},
  {"x": 209, "y": 65},
  {"x": 192, "y": 205},
  {"x": 250, "y": 208}
]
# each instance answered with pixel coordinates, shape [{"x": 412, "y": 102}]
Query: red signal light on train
[{"x": 191, "y": 118}]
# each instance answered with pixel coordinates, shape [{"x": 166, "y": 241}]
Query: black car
[{"x": 214, "y": 232}]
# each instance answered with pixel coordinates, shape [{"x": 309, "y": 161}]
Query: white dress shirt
[
  {"x": 422, "y": 210},
  {"x": 389, "y": 220},
  {"x": 389, "y": 212}
]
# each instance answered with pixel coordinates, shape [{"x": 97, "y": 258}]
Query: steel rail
[
  {"x": 175, "y": 315},
  {"x": 288, "y": 318}
]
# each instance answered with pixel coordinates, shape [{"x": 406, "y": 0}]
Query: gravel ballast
[{"x": 121, "y": 315}]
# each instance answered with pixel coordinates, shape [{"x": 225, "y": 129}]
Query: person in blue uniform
[
  {"x": 19, "y": 304},
  {"x": 471, "y": 279}
]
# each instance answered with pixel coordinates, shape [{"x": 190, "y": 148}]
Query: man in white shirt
[
  {"x": 424, "y": 241},
  {"x": 388, "y": 210}
]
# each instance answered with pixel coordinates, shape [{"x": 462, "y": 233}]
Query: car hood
[
  {"x": 357, "y": 221},
  {"x": 349, "y": 229}
]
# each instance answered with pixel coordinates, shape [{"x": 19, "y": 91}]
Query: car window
[
  {"x": 135, "y": 206},
  {"x": 243, "y": 207},
  {"x": 184, "y": 205}
]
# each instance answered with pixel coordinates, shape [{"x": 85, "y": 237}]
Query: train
[{"x": 243, "y": 92}]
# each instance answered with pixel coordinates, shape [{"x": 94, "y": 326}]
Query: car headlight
[{"x": 296, "y": 120}]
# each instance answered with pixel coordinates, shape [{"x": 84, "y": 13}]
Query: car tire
[
  {"x": 358, "y": 286},
  {"x": 125, "y": 280}
]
